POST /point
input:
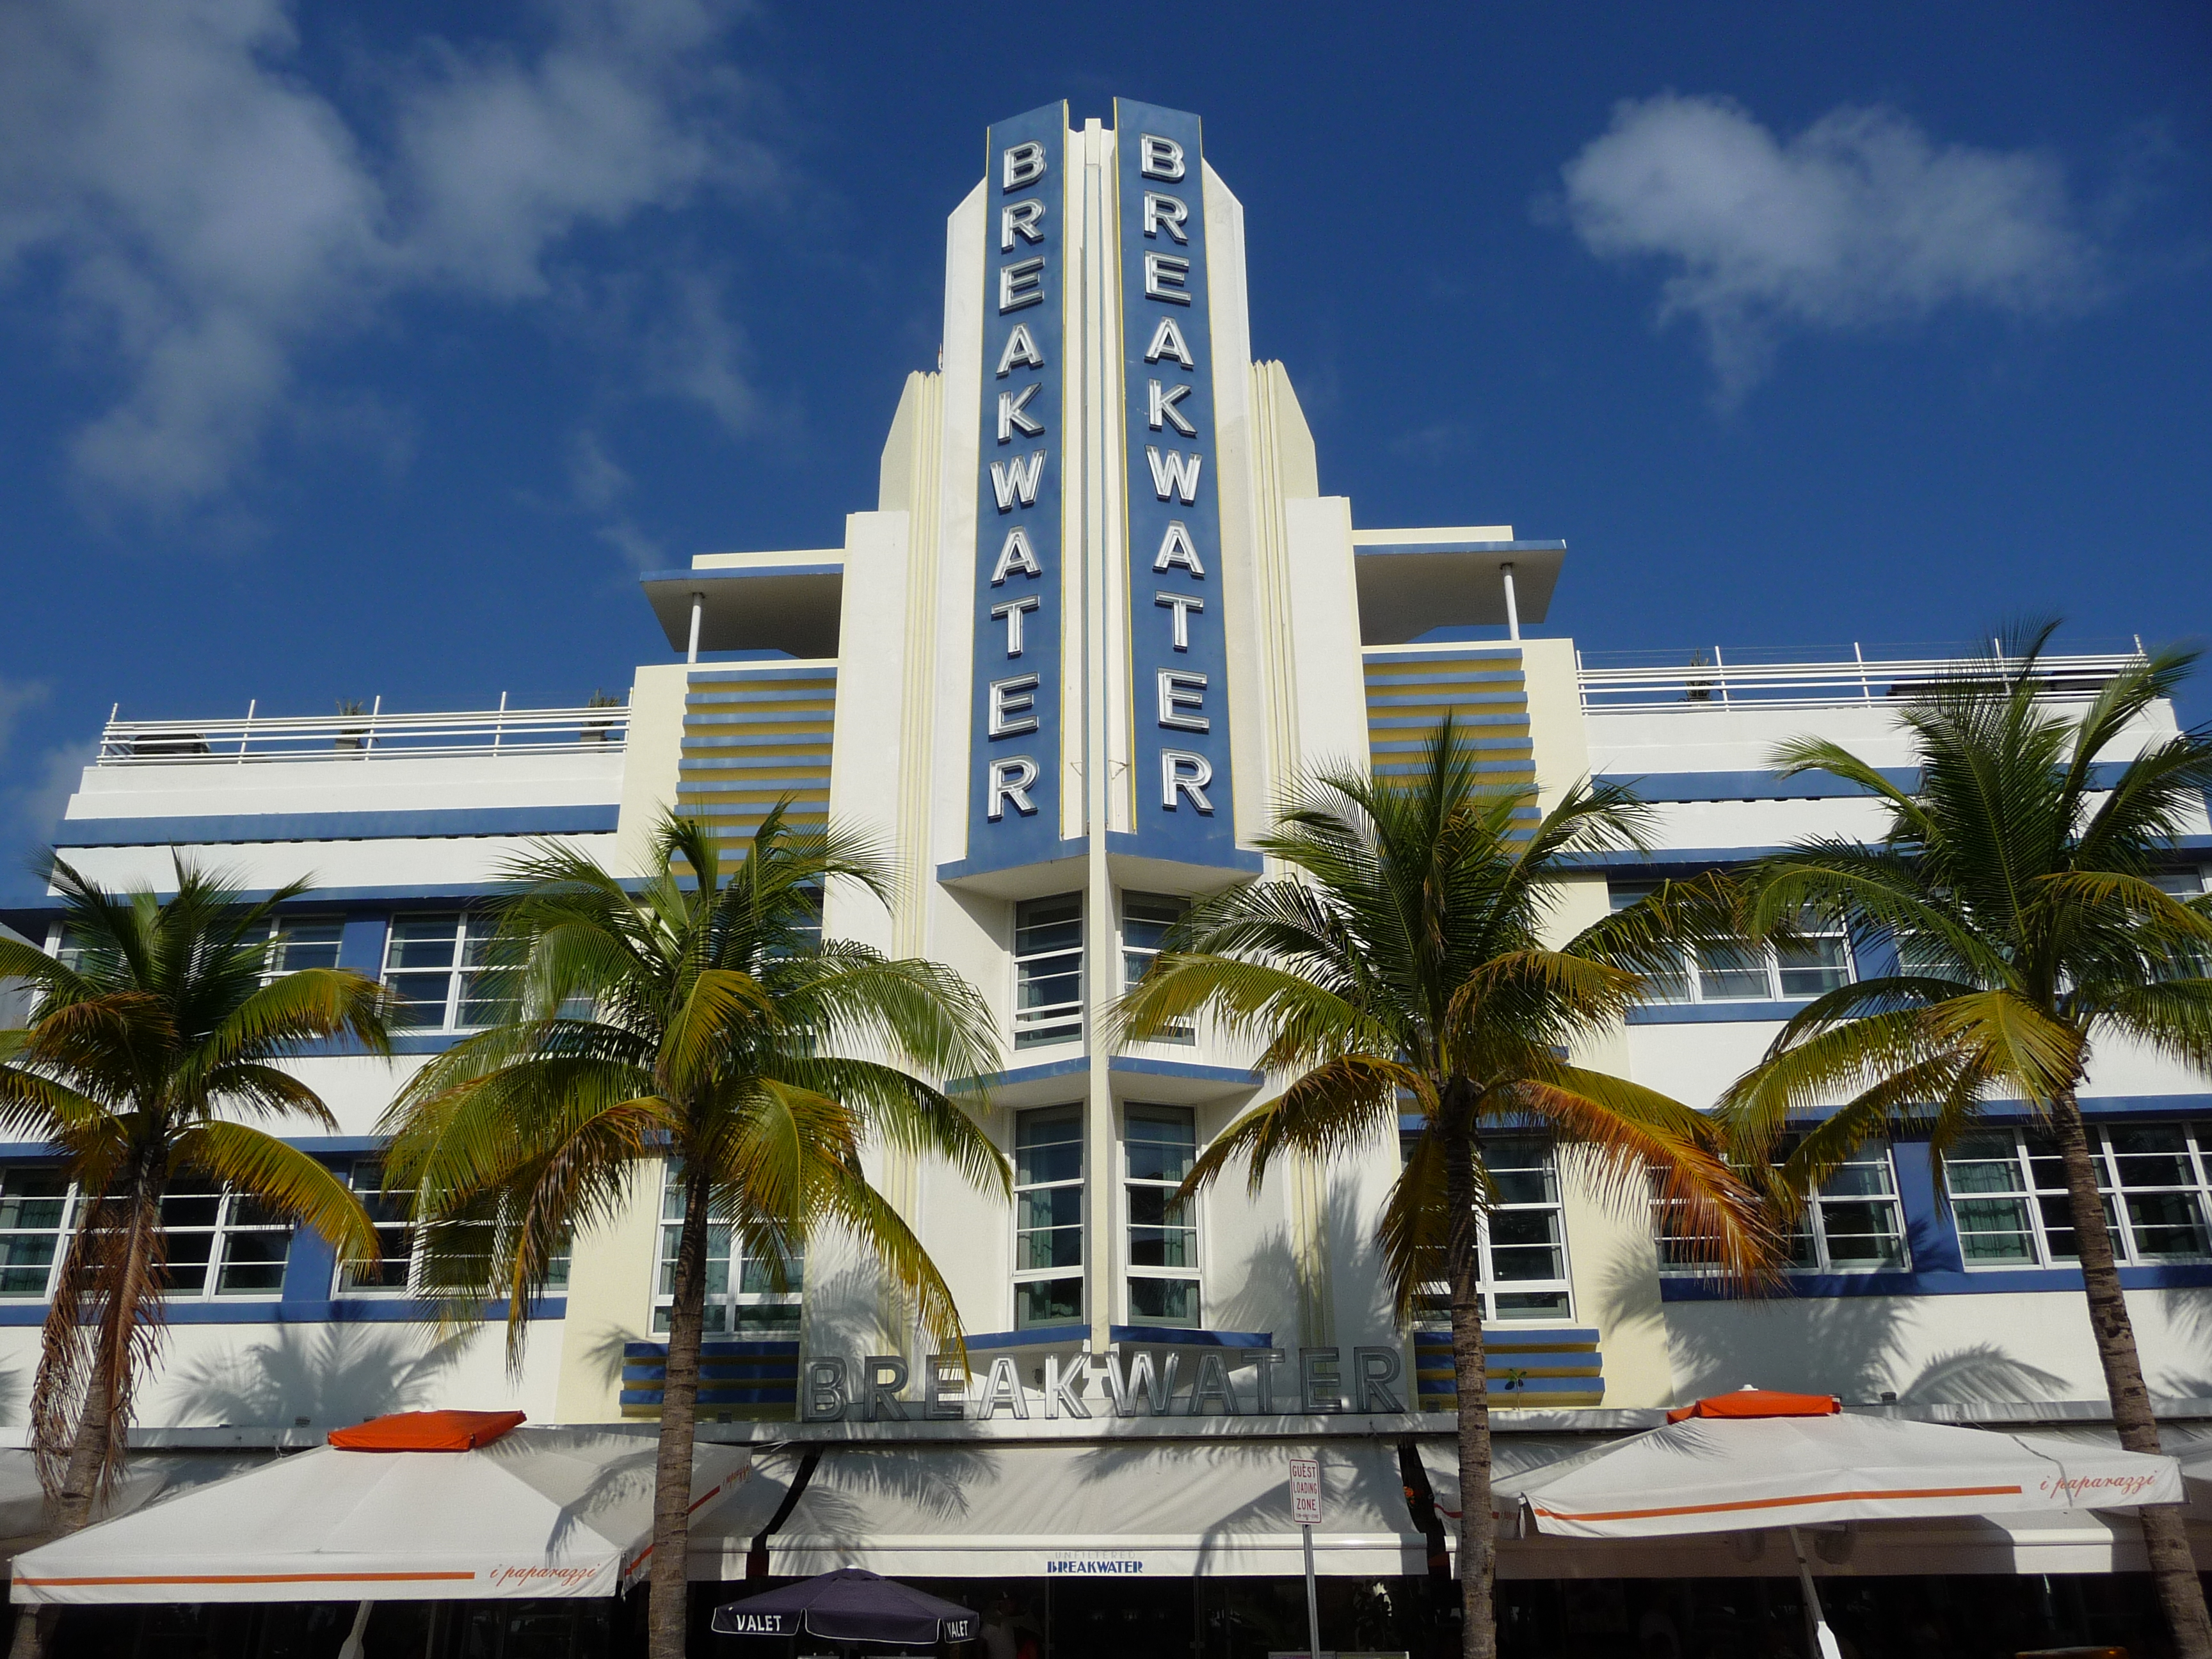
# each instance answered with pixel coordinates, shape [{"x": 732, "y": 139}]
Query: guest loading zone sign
[{"x": 1176, "y": 647}]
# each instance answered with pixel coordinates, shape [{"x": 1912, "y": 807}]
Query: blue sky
[{"x": 344, "y": 353}]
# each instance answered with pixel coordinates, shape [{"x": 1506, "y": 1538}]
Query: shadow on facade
[
  {"x": 319, "y": 1376},
  {"x": 1859, "y": 1347},
  {"x": 2189, "y": 1319}
]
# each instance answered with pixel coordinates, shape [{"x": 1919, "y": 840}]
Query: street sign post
[{"x": 1305, "y": 1509}]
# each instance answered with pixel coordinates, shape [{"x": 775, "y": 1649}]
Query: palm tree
[
  {"x": 163, "y": 1028},
  {"x": 1404, "y": 965},
  {"x": 2017, "y": 881},
  {"x": 701, "y": 1019}
]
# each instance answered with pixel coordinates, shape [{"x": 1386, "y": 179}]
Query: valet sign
[{"x": 1167, "y": 536}]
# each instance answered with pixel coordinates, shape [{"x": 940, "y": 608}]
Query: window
[
  {"x": 66, "y": 947},
  {"x": 1049, "y": 970},
  {"x": 35, "y": 1217},
  {"x": 1817, "y": 961},
  {"x": 297, "y": 942},
  {"x": 2009, "y": 1195},
  {"x": 395, "y": 1239},
  {"x": 1146, "y": 919},
  {"x": 1853, "y": 1224},
  {"x": 1048, "y": 1217},
  {"x": 1161, "y": 1144},
  {"x": 743, "y": 1305},
  {"x": 1522, "y": 1240},
  {"x": 221, "y": 1243},
  {"x": 441, "y": 974}
]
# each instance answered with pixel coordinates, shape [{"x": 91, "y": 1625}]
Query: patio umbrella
[
  {"x": 508, "y": 1512},
  {"x": 1755, "y": 1459},
  {"x": 849, "y": 1605},
  {"x": 1758, "y": 1458}
]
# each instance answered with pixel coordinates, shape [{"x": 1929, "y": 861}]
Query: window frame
[
  {"x": 1687, "y": 986},
  {"x": 71, "y": 1198},
  {"x": 1180, "y": 1218},
  {"x": 281, "y": 928},
  {"x": 1433, "y": 1307},
  {"x": 388, "y": 1212},
  {"x": 471, "y": 928},
  {"x": 1048, "y": 1024},
  {"x": 1136, "y": 959},
  {"x": 1053, "y": 1273},
  {"x": 731, "y": 1302},
  {"x": 1813, "y": 1227},
  {"x": 2037, "y": 1202},
  {"x": 229, "y": 1225}
]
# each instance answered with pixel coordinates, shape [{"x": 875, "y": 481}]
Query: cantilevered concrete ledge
[
  {"x": 753, "y": 602},
  {"x": 1412, "y": 580}
]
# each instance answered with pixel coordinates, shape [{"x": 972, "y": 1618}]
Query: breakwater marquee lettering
[
  {"x": 1178, "y": 644},
  {"x": 875, "y": 1389},
  {"x": 1177, "y": 640},
  {"x": 1015, "y": 816}
]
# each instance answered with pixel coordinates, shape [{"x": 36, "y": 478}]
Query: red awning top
[
  {"x": 442, "y": 1431},
  {"x": 1759, "y": 1402}
]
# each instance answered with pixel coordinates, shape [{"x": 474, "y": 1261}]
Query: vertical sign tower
[
  {"x": 1177, "y": 642},
  {"x": 1021, "y": 547},
  {"x": 1098, "y": 341}
]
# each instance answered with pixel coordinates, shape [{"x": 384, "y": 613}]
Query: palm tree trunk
[
  {"x": 34, "y": 1626},
  {"x": 2166, "y": 1539},
  {"x": 1478, "y": 1531},
  {"x": 99, "y": 1424},
  {"x": 668, "y": 1614}
]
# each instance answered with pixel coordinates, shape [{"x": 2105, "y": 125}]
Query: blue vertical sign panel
[
  {"x": 1014, "y": 808},
  {"x": 1178, "y": 652}
]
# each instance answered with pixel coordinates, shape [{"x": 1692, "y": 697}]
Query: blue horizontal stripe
[
  {"x": 2170, "y": 1276},
  {"x": 1384, "y": 550},
  {"x": 1498, "y": 1339},
  {"x": 1712, "y": 1014},
  {"x": 1717, "y": 785},
  {"x": 1126, "y": 1064},
  {"x": 740, "y": 572},
  {"x": 1035, "y": 1336},
  {"x": 233, "y": 828},
  {"x": 384, "y": 1311},
  {"x": 1176, "y": 1336},
  {"x": 722, "y": 680},
  {"x": 1449, "y": 1387},
  {"x": 786, "y": 1395}
]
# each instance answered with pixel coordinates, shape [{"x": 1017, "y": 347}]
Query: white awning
[
  {"x": 1740, "y": 1543},
  {"x": 1716, "y": 1475},
  {"x": 540, "y": 1512},
  {"x": 1143, "y": 1510}
]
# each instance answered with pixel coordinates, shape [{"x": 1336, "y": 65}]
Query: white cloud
[
  {"x": 29, "y": 811},
  {"x": 15, "y": 697},
  {"x": 598, "y": 482},
  {"x": 1861, "y": 218},
  {"x": 206, "y": 215},
  {"x": 30, "y": 808}
]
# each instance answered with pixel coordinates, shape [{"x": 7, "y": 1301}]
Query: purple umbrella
[{"x": 849, "y": 1604}]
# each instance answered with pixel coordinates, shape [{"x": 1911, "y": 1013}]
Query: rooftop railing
[
  {"x": 1623, "y": 682},
  {"x": 371, "y": 734}
]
